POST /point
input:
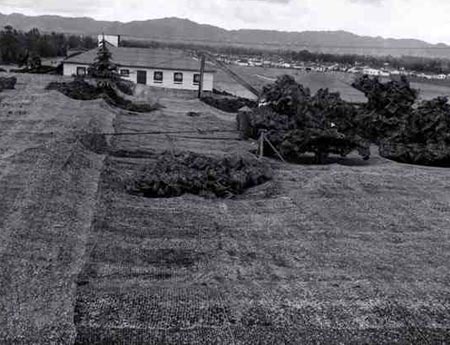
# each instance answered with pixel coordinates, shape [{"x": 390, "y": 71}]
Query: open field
[
  {"x": 335, "y": 81},
  {"x": 339, "y": 254}
]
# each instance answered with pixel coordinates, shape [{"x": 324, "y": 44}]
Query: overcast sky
[{"x": 423, "y": 19}]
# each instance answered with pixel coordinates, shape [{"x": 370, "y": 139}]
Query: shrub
[
  {"x": 405, "y": 133},
  {"x": 7, "y": 83},
  {"x": 424, "y": 137},
  {"x": 76, "y": 89},
  {"x": 81, "y": 90},
  {"x": 125, "y": 86},
  {"x": 229, "y": 104},
  {"x": 173, "y": 175},
  {"x": 298, "y": 122},
  {"x": 387, "y": 107}
]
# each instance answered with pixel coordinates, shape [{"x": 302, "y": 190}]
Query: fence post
[{"x": 261, "y": 144}]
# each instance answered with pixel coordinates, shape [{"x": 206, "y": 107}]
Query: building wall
[
  {"x": 168, "y": 82},
  {"x": 111, "y": 39}
]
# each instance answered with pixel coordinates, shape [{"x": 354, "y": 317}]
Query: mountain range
[{"x": 184, "y": 30}]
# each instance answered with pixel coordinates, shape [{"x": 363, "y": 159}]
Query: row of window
[{"x": 158, "y": 76}]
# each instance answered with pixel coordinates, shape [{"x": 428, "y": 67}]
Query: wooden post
[
  {"x": 261, "y": 144},
  {"x": 202, "y": 72}
]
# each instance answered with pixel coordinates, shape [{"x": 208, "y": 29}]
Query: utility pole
[{"x": 202, "y": 73}]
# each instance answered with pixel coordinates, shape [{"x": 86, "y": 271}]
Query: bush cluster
[
  {"x": 175, "y": 174},
  {"x": 7, "y": 83},
  {"x": 298, "y": 122},
  {"x": 82, "y": 90},
  {"x": 228, "y": 104}
]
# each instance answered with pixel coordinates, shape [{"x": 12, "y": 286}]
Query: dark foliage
[
  {"x": 7, "y": 83},
  {"x": 77, "y": 89},
  {"x": 229, "y": 104},
  {"x": 125, "y": 86},
  {"x": 173, "y": 175},
  {"x": 416, "y": 153},
  {"x": 405, "y": 132},
  {"x": 424, "y": 137},
  {"x": 103, "y": 67},
  {"x": 297, "y": 122},
  {"x": 322, "y": 142},
  {"x": 37, "y": 70},
  {"x": 81, "y": 90},
  {"x": 286, "y": 96},
  {"x": 19, "y": 47},
  {"x": 389, "y": 105}
]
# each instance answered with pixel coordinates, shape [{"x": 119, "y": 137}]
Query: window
[
  {"x": 158, "y": 77},
  {"x": 81, "y": 70},
  {"x": 178, "y": 78},
  {"x": 196, "y": 79},
  {"x": 125, "y": 72}
]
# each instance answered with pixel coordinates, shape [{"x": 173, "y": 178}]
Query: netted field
[
  {"x": 334, "y": 254},
  {"x": 319, "y": 255},
  {"x": 48, "y": 186}
]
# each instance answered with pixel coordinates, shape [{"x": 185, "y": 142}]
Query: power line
[{"x": 168, "y": 132}]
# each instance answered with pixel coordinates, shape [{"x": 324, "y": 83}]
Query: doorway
[{"x": 142, "y": 77}]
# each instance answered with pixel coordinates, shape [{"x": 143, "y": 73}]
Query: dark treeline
[
  {"x": 17, "y": 46},
  {"x": 412, "y": 63}
]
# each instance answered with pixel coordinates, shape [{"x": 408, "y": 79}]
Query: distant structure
[
  {"x": 113, "y": 40},
  {"x": 164, "y": 68}
]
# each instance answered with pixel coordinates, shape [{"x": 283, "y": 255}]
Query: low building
[
  {"x": 154, "y": 67},
  {"x": 113, "y": 40}
]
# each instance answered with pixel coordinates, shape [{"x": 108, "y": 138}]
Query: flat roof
[{"x": 168, "y": 59}]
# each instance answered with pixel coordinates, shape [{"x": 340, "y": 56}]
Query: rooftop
[{"x": 146, "y": 58}]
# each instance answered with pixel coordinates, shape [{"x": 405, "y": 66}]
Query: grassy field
[
  {"x": 335, "y": 81},
  {"x": 348, "y": 253}
]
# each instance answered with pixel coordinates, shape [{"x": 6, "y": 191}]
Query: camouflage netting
[
  {"x": 387, "y": 107},
  {"x": 229, "y": 104},
  {"x": 176, "y": 174},
  {"x": 7, "y": 83},
  {"x": 82, "y": 90},
  {"x": 406, "y": 131},
  {"x": 297, "y": 122},
  {"x": 424, "y": 138}
]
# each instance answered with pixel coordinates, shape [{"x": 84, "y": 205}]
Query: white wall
[
  {"x": 111, "y": 39},
  {"x": 188, "y": 77},
  {"x": 70, "y": 69}
]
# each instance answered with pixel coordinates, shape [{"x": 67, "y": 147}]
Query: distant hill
[{"x": 176, "y": 29}]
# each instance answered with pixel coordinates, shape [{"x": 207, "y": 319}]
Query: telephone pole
[{"x": 202, "y": 72}]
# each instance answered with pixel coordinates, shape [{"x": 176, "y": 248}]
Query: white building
[
  {"x": 371, "y": 71},
  {"x": 154, "y": 67},
  {"x": 114, "y": 40}
]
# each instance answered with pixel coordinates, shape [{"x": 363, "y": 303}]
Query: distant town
[{"x": 357, "y": 68}]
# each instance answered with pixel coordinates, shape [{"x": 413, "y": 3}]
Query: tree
[
  {"x": 10, "y": 45},
  {"x": 103, "y": 67},
  {"x": 387, "y": 107},
  {"x": 298, "y": 122},
  {"x": 423, "y": 137}
]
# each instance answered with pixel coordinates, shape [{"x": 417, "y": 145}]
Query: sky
[{"x": 427, "y": 20}]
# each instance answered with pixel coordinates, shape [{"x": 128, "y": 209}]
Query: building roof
[{"x": 145, "y": 58}]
